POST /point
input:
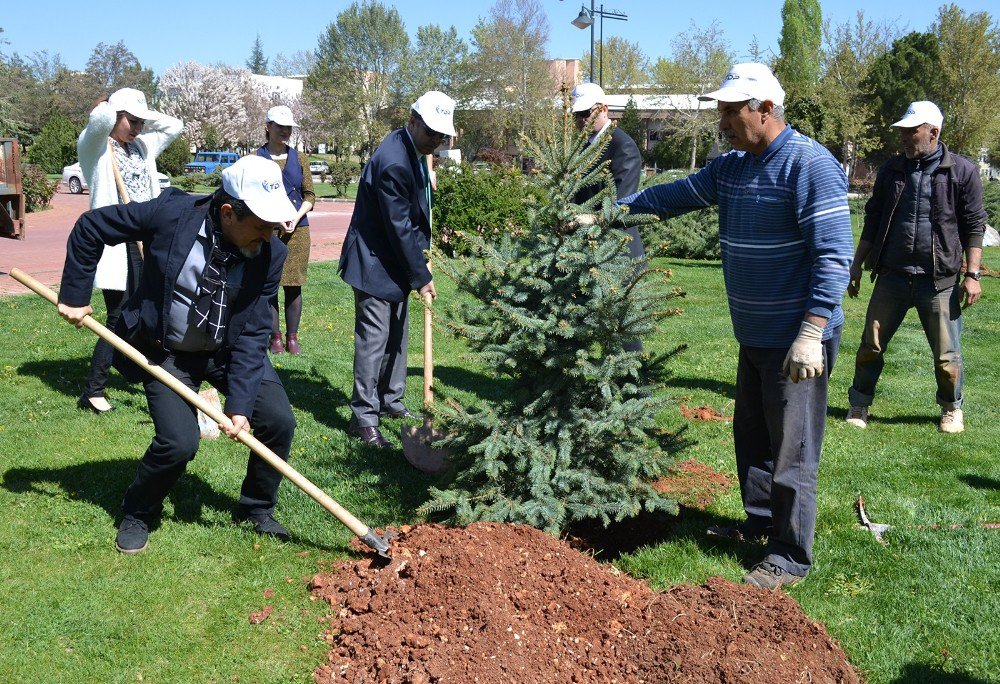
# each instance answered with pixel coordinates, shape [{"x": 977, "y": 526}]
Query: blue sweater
[{"x": 784, "y": 229}]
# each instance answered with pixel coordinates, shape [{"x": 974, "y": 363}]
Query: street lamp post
[{"x": 585, "y": 19}]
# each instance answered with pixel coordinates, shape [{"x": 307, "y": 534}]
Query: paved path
[{"x": 42, "y": 252}]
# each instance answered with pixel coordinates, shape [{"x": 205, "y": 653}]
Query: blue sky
[{"x": 164, "y": 33}]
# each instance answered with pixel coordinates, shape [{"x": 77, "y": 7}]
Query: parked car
[
  {"x": 318, "y": 166},
  {"x": 72, "y": 176},
  {"x": 207, "y": 162}
]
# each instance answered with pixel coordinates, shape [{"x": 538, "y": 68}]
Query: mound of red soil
[
  {"x": 506, "y": 603},
  {"x": 703, "y": 413}
]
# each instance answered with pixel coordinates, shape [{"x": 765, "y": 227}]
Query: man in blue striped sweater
[{"x": 785, "y": 233}]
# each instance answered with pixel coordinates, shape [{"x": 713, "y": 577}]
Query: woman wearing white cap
[
  {"x": 297, "y": 178},
  {"x": 118, "y": 151}
]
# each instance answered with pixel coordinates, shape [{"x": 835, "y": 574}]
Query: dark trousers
[
  {"x": 778, "y": 430},
  {"x": 177, "y": 436},
  {"x": 100, "y": 360},
  {"x": 381, "y": 329}
]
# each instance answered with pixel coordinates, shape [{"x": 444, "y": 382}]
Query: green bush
[
  {"x": 342, "y": 173},
  {"x": 55, "y": 145},
  {"x": 485, "y": 202},
  {"x": 188, "y": 181},
  {"x": 213, "y": 180},
  {"x": 991, "y": 203},
  {"x": 694, "y": 235},
  {"x": 172, "y": 160},
  {"x": 38, "y": 190}
]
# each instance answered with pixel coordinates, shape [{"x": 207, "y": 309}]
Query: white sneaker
[
  {"x": 858, "y": 417},
  {"x": 952, "y": 421}
]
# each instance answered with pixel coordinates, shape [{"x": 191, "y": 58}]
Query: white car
[
  {"x": 72, "y": 176},
  {"x": 318, "y": 166}
]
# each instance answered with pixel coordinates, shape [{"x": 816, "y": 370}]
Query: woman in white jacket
[{"x": 118, "y": 151}]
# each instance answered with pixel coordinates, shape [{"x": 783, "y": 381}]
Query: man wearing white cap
[
  {"x": 383, "y": 260},
  {"x": 201, "y": 313},
  {"x": 785, "y": 234},
  {"x": 925, "y": 212}
]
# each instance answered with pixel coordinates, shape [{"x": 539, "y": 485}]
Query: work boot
[
  {"x": 292, "y": 344},
  {"x": 858, "y": 416},
  {"x": 769, "y": 576},
  {"x": 133, "y": 535},
  {"x": 277, "y": 347},
  {"x": 952, "y": 421},
  {"x": 264, "y": 524}
]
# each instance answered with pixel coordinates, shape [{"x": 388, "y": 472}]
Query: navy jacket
[
  {"x": 167, "y": 227},
  {"x": 958, "y": 219},
  {"x": 383, "y": 253},
  {"x": 626, "y": 169}
]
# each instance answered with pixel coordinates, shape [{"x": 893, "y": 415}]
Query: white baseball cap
[
  {"x": 134, "y": 102},
  {"x": 586, "y": 95},
  {"x": 280, "y": 115},
  {"x": 921, "y": 112},
  {"x": 748, "y": 81},
  {"x": 257, "y": 181},
  {"x": 437, "y": 110}
]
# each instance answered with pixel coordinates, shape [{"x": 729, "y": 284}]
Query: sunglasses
[
  {"x": 431, "y": 133},
  {"x": 586, "y": 113}
]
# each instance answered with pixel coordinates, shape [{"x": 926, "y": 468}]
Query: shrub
[
  {"x": 991, "y": 203},
  {"x": 341, "y": 174},
  {"x": 38, "y": 190},
  {"x": 694, "y": 235},
  {"x": 484, "y": 202},
  {"x": 172, "y": 160},
  {"x": 55, "y": 145},
  {"x": 213, "y": 180},
  {"x": 188, "y": 181}
]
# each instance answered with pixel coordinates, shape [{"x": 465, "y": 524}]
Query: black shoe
[
  {"x": 740, "y": 533},
  {"x": 133, "y": 535},
  {"x": 84, "y": 403},
  {"x": 264, "y": 524},
  {"x": 371, "y": 436},
  {"x": 401, "y": 414}
]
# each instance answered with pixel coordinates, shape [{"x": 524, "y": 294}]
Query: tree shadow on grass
[
  {"x": 311, "y": 392},
  {"x": 913, "y": 419},
  {"x": 67, "y": 376},
  {"x": 725, "y": 389},
  {"x": 925, "y": 673},
  {"x": 980, "y": 482},
  {"x": 103, "y": 484},
  {"x": 485, "y": 386}
]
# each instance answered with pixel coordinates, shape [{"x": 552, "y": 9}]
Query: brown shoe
[
  {"x": 277, "y": 347},
  {"x": 371, "y": 436},
  {"x": 292, "y": 344},
  {"x": 769, "y": 576}
]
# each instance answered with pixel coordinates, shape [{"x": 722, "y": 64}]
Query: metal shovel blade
[{"x": 419, "y": 450}]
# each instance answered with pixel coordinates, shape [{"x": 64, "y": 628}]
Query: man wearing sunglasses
[
  {"x": 590, "y": 108},
  {"x": 383, "y": 260}
]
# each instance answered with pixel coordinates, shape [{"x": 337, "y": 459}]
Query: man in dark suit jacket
[
  {"x": 383, "y": 260},
  {"x": 201, "y": 312},
  {"x": 590, "y": 108}
]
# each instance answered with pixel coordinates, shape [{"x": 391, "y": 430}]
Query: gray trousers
[
  {"x": 380, "y": 334},
  {"x": 778, "y": 430}
]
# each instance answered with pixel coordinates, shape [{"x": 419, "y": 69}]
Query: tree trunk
[{"x": 694, "y": 151}]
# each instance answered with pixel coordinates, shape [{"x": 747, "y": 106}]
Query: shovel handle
[
  {"x": 196, "y": 400},
  {"x": 428, "y": 351}
]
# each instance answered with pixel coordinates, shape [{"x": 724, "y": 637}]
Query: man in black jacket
[
  {"x": 201, "y": 312},
  {"x": 590, "y": 108},
  {"x": 383, "y": 260},
  {"x": 925, "y": 212}
]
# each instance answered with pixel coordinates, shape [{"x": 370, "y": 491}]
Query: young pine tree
[{"x": 551, "y": 310}]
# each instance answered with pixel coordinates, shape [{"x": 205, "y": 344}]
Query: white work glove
[{"x": 805, "y": 356}]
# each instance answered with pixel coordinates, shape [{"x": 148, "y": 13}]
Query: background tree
[
  {"x": 257, "y": 62},
  {"x": 172, "y": 160},
  {"x": 357, "y": 61},
  {"x": 55, "y": 145},
  {"x": 850, "y": 50},
  {"x": 114, "y": 66},
  {"x": 630, "y": 123},
  {"x": 622, "y": 64},
  {"x": 700, "y": 60},
  {"x": 209, "y": 100},
  {"x": 798, "y": 66},
  {"x": 908, "y": 72},
  {"x": 550, "y": 310},
  {"x": 298, "y": 63},
  {"x": 509, "y": 71},
  {"x": 969, "y": 44},
  {"x": 438, "y": 61}
]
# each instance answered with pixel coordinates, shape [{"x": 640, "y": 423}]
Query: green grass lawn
[{"x": 924, "y": 607}]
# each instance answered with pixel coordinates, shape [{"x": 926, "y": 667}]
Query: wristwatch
[{"x": 972, "y": 274}]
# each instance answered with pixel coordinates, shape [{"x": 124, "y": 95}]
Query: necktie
[
  {"x": 427, "y": 180},
  {"x": 210, "y": 308}
]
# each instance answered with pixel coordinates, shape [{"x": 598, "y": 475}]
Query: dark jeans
[
  {"x": 778, "y": 430},
  {"x": 940, "y": 313},
  {"x": 177, "y": 436},
  {"x": 100, "y": 360}
]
